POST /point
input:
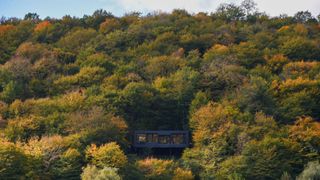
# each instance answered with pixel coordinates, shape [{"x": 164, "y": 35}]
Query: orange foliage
[
  {"x": 305, "y": 129},
  {"x": 5, "y": 28},
  {"x": 283, "y": 28},
  {"x": 41, "y": 26},
  {"x": 109, "y": 25}
]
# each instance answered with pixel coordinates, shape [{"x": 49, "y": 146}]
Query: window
[
  {"x": 164, "y": 139},
  {"x": 141, "y": 138},
  {"x": 149, "y": 138},
  {"x": 178, "y": 138},
  {"x": 155, "y": 138},
  {"x": 152, "y": 138}
]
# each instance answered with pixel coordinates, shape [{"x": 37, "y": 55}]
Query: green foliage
[
  {"x": 24, "y": 128},
  {"x": 77, "y": 38},
  {"x": 86, "y": 77},
  {"x": 270, "y": 158},
  {"x": 255, "y": 96},
  {"x": 93, "y": 173},
  {"x": 13, "y": 161},
  {"x": 96, "y": 127},
  {"x": 300, "y": 48},
  {"x": 246, "y": 85}
]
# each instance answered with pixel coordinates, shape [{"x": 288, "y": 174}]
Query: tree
[
  {"x": 255, "y": 96},
  {"x": 54, "y": 157},
  {"x": 24, "y": 128},
  {"x": 96, "y": 126},
  {"x": 138, "y": 102},
  {"x": 305, "y": 131},
  {"x": 98, "y": 60},
  {"x": 97, "y": 18},
  {"x": 32, "y": 17},
  {"x": 300, "y": 48},
  {"x": 13, "y": 161},
  {"x": 304, "y": 17},
  {"x": 76, "y": 39},
  {"x": 311, "y": 171},
  {"x": 230, "y": 12},
  {"x": 42, "y": 26},
  {"x": 69, "y": 165},
  {"x": 154, "y": 168},
  {"x": 109, "y": 25},
  {"x": 31, "y": 51},
  {"x": 200, "y": 99},
  {"x": 107, "y": 155},
  {"x": 85, "y": 78},
  {"x": 269, "y": 158},
  {"x": 11, "y": 91},
  {"x": 220, "y": 76},
  {"x": 94, "y": 173},
  {"x": 163, "y": 66},
  {"x": 249, "y": 6}
]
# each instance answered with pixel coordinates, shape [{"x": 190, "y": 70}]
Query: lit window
[{"x": 141, "y": 138}]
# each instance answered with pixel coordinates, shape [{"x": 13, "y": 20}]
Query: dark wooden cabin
[{"x": 161, "y": 139}]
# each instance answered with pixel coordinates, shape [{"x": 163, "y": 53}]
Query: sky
[{"x": 59, "y": 8}]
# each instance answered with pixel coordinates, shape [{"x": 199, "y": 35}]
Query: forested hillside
[{"x": 245, "y": 84}]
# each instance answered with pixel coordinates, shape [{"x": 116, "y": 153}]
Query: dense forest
[{"x": 245, "y": 84}]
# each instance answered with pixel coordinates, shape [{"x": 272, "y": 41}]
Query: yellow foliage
[
  {"x": 297, "y": 84},
  {"x": 182, "y": 174},
  {"x": 85, "y": 77},
  {"x": 46, "y": 145},
  {"x": 107, "y": 155},
  {"x": 299, "y": 69},
  {"x": 276, "y": 62},
  {"x": 153, "y": 167},
  {"x": 216, "y": 50},
  {"x": 44, "y": 106},
  {"x": 219, "y": 48},
  {"x": 71, "y": 100},
  {"x": 301, "y": 29}
]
